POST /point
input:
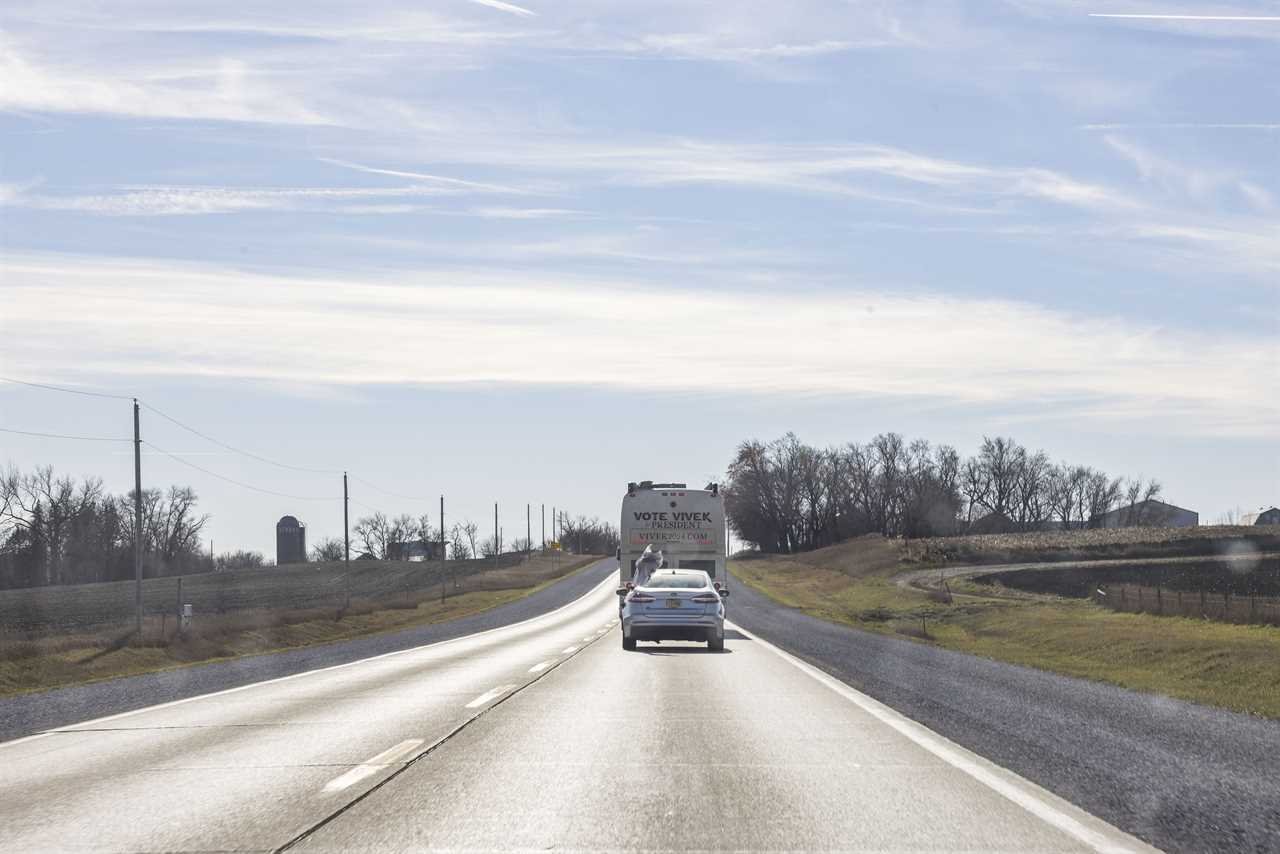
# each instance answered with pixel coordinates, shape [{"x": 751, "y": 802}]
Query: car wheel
[
  {"x": 629, "y": 644},
  {"x": 715, "y": 643}
]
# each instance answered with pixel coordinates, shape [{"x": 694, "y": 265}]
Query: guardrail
[{"x": 1163, "y": 602}]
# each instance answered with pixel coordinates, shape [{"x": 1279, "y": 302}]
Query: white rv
[{"x": 686, "y": 525}]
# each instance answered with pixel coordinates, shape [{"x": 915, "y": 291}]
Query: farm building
[
  {"x": 1262, "y": 517},
  {"x": 291, "y": 541},
  {"x": 1147, "y": 514}
]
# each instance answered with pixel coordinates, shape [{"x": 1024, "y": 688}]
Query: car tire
[
  {"x": 629, "y": 644},
  {"x": 715, "y": 643}
]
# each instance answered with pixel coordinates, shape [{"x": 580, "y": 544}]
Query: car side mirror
[
  {"x": 724, "y": 594},
  {"x": 622, "y": 591}
]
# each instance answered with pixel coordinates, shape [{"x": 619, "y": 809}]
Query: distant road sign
[{"x": 554, "y": 546}]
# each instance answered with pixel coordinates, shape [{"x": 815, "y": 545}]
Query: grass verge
[
  {"x": 72, "y": 659},
  {"x": 1235, "y": 667}
]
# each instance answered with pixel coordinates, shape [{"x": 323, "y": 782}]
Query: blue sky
[{"x": 526, "y": 253}]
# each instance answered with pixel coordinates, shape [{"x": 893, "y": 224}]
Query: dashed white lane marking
[
  {"x": 542, "y": 665},
  {"x": 569, "y": 650},
  {"x": 1035, "y": 800},
  {"x": 377, "y": 763},
  {"x": 490, "y": 696}
]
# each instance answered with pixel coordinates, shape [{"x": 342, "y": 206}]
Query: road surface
[{"x": 544, "y": 734}]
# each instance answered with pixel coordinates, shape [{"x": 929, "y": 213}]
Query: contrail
[
  {"x": 1185, "y": 126},
  {"x": 1180, "y": 17},
  {"x": 506, "y": 7}
]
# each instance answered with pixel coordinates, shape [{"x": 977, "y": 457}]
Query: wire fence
[
  {"x": 1221, "y": 607},
  {"x": 65, "y": 609}
]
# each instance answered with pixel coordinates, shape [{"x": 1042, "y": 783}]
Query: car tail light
[
  {"x": 641, "y": 598},
  {"x": 706, "y": 598}
]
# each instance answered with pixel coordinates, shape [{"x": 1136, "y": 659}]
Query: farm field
[
  {"x": 85, "y": 633},
  {"x": 33, "y": 612},
  {"x": 859, "y": 583},
  {"x": 1098, "y": 544}
]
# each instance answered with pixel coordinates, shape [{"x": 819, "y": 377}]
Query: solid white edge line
[
  {"x": 119, "y": 715},
  {"x": 491, "y": 695},
  {"x": 1036, "y": 800},
  {"x": 542, "y": 665},
  {"x": 373, "y": 765},
  {"x": 569, "y": 650}
]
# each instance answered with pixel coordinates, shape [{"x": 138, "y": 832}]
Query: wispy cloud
[
  {"x": 506, "y": 7},
  {"x": 143, "y": 318},
  {"x": 421, "y": 176},
  {"x": 1185, "y": 126},
  {"x": 1146, "y": 16},
  {"x": 196, "y": 200},
  {"x": 229, "y": 91}
]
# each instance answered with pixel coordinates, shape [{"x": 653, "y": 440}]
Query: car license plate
[{"x": 673, "y": 603}]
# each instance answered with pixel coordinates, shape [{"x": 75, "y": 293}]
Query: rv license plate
[{"x": 673, "y": 603}]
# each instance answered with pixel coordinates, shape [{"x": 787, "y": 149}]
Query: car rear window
[{"x": 676, "y": 582}]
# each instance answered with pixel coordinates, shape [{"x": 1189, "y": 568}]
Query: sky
[{"x": 525, "y": 253}]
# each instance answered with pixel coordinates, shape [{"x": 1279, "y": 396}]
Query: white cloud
[
  {"x": 153, "y": 318},
  {"x": 229, "y": 90}
]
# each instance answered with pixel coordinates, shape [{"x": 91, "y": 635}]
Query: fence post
[{"x": 1159, "y": 602}]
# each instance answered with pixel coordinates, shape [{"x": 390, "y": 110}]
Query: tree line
[
  {"x": 401, "y": 537},
  {"x": 56, "y": 530},
  {"x": 785, "y": 496}
]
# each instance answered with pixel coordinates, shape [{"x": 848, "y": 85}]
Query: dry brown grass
[
  {"x": 58, "y": 659},
  {"x": 1233, "y": 666}
]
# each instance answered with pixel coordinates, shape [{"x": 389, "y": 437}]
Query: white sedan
[{"x": 674, "y": 604}]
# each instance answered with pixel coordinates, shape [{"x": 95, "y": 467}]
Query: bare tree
[
  {"x": 328, "y": 550},
  {"x": 374, "y": 533},
  {"x": 460, "y": 543},
  {"x": 230, "y": 561},
  {"x": 471, "y": 530}
]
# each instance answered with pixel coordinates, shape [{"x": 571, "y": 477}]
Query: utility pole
[
  {"x": 544, "y": 527},
  {"x": 442, "y": 528},
  {"x": 137, "y": 520},
  {"x": 528, "y": 529},
  {"x": 346, "y": 539},
  {"x": 554, "y": 538},
  {"x": 497, "y": 544}
]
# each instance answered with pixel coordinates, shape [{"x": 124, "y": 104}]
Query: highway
[{"x": 543, "y": 734}]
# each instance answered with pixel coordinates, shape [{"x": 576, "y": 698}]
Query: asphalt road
[
  {"x": 1184, "y": 777},
  {"x": 543, "y": 734}
]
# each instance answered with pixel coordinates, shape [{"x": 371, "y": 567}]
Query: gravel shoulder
[
  {"x": 30, "y": 713},
  {"x": 1180, "y": 776}
]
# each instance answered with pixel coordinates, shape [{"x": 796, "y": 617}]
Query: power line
[
  {"x": 65, "y": 390},
  {"x": 207, "y": 438},
  {"x": 239, "y": 483},
  {"x": 365, "y": 506},
  {"x": 61, "y": 436},
  {"x": 377, "y": 488},
  {"x": 249, "y": 454}
]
